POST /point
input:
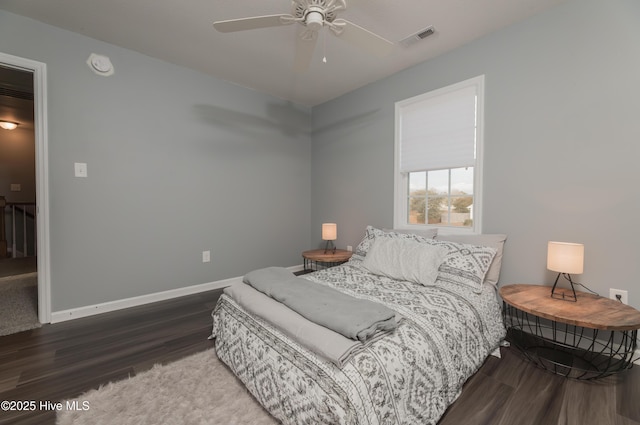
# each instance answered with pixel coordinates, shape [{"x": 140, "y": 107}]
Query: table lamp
[
  {"x": 566, "y": 258},
  {"x": 329, "y": 234}
]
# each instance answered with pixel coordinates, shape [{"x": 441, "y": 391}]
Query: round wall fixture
[{"x": 101, "y": 65}]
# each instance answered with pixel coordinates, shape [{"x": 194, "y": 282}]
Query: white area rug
[
  {"x": 198, "y": 389},
  {"x": 18, "y": 304}
]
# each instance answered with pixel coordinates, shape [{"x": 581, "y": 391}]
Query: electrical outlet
[
  {"x": 619, "y": 295},
  {"x": 206, "y": 256},
  {"x": 349, "y": 248}
]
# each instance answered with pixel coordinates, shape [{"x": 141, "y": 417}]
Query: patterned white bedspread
[{"x": 409, "y": 376}]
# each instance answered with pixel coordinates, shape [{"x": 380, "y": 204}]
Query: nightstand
[
  {"x": 591, "y": 338},
  {"x": 317, "y": 259}
]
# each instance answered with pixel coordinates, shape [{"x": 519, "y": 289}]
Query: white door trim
[{"x": 39, "y": 70}]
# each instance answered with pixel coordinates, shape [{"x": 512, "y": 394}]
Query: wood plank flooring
[
  {"x": 510, "y": 391},
  {"x": 64, "y": 360},
  {"x": 61, "y": 361}
]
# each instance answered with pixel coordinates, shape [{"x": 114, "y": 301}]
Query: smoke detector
[
  {"x": 101, "y": 65},
  {"x": 420, "y": 35}
]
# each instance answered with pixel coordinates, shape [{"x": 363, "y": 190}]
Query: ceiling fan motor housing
[
  {"x": 314, "y": 13},
  {"x": 314, "y": 18}
]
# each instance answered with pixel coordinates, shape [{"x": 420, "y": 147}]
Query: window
[{"x": 438, "y": 164}]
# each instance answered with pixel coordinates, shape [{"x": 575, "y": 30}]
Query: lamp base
[
  {"x": 328, "y": 246},
  {"x": 562, "y": 295}
]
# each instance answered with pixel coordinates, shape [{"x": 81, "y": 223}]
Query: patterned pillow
[
  {"x": 464, "y": 263},
  {"x": 372, "y": 233},
  {"x": 429, "y": 233},
  {"x": 493, "y": 240}
]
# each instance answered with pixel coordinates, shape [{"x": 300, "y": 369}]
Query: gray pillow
[{"x": 404, "y": 259}]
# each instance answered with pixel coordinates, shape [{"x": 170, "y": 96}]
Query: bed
[{"x": 406, "y": 376}]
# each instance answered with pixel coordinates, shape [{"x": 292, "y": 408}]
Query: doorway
[{"x": 24, "y": 188}]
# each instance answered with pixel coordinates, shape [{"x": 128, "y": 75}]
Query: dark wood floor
[
  {"x": 510, "y": 391},
  {"x": 64, "y": 360},
  {"x": 61, "y": 361}
]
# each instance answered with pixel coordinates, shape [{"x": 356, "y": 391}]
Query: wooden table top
[
  {"x": 329, "y": 257},
  {"x": 590, "y": 311}
]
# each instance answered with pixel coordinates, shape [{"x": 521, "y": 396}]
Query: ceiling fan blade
[
  {"x": 361, "y": 37},
  {"x": 304, "y": 52},
  {"x": 256, "y": 22}
]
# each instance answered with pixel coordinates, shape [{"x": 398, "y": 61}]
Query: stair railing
[{"x": 23, "y": 219}]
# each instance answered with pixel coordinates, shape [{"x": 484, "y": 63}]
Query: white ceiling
[{"x": 181, "y": 32}]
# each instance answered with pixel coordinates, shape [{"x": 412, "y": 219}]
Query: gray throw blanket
[
  {"x": 323, "y": 341},
  {"x": 352, "y": 317}
]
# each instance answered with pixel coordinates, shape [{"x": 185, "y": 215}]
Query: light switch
[
  {"x": 15, "y": 187},
  {"x": 81, "y": 169}
]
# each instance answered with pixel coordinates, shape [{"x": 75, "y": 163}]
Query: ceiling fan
[{"x": 313, "y": 15}]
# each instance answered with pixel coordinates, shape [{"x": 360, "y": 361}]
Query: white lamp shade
[
  {"x": 565, "y": 257},
  {"x": 329, "y": 231}
]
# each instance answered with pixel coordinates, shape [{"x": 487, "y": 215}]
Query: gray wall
[
  {"x": 178, "y": 162},
  {"x": 562, "y": 142}
]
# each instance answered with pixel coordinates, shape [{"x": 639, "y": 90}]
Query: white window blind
[{"x": 439, "y": 132}]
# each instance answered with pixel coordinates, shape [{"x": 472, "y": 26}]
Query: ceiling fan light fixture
[
  {"x": 314, "y": 19},
  {"x": 8, "y": 125}
]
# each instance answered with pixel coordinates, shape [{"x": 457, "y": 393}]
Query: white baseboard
[{"x": 91, "y": 310}]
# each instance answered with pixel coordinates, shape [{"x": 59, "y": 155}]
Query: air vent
[
  {"x": 18, "y": 94},
  {"x": 420, "y": 35},
  {"x": 426, "y": 33}
]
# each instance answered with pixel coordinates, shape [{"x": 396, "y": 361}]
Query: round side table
[{"x": 318, "y": 258}]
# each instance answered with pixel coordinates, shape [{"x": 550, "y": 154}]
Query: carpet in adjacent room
[{"x": 18, "y": 304}]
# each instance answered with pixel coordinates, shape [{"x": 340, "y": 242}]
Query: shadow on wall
[
  {"x": 285, "y": 119},
  {"x": 360, "y": 119}
]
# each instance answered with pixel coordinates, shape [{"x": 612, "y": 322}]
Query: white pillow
[{"x": 403, "y": 259}]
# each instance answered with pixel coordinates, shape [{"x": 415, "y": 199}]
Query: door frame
[{"x": 39, "y": 71}]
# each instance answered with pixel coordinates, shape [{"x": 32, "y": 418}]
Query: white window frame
[{"x": 401, "y": 180}]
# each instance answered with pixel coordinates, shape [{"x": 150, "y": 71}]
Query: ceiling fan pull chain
[{"x": 324, "y": 46}]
